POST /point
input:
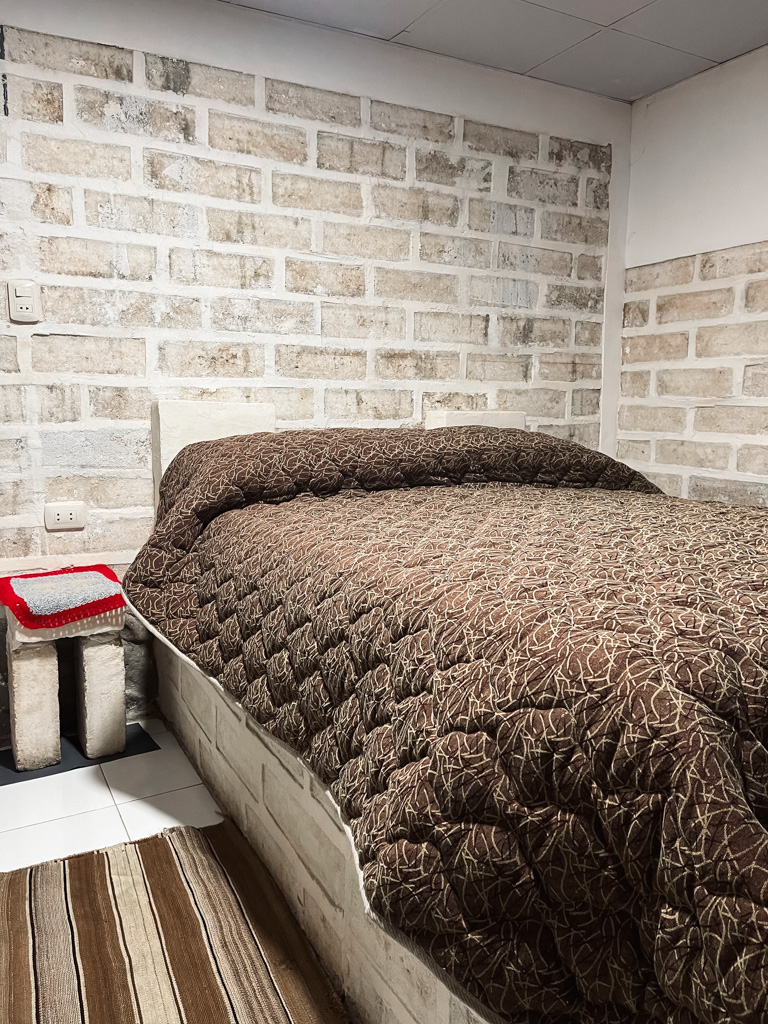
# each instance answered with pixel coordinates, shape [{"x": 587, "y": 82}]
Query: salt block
[
  {"x": 33, "y": 686},
  {"x": 101, "y": 694}
]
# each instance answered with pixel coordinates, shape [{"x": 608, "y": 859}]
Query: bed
[{"x": 536, "y": 688}]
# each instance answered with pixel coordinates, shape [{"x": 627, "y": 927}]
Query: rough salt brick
[
  {"x": 454, "y": 328},
  {"x": 315, "y": 277},
  {"x": 549, "y": 262},
  {"x": 652, "y": 418},
  {"x": 75, "y": 353},
  {"x": 98, "y": 449},
  {"x": 360, "y": 156},
  {"x": 504, "y": 141},
  {"x": 87, "y": 257},
  {"x": 116, "y": 534},
  {"x": 575, "y": 297},
  {"x": 535, "y": 332},
  {"x": 258, "y": 138},
  {"x": 652, "y": 348},
  {"x": 503, "y": 291},
  {"x": 716, "y": 382},
  {"x": 304, "y": 193},
  {"x": 589, "y": 268},
  {"x": 100, "y": 673},
  {"x": 411, "y": 121},
  {"x": 290, "y": 403},
  {"x": 11, "y": 403},
  {"x": 586, "y": 434},
  {"x": 735, "y": 262},
  {"x": 137, "y": 213},
  {"x": 51, "y": 204},
  {"x": 579, "y": 154},
  {"x": 733, "y": 340},
  {"x": 730, "y": 492},
  {"x": 383, "y": 323},
  {"x": 16, "y": 498},
  {"x": 75, "y": 157},
  {"x": 461, "y": 172},
  {"x": 636, "y": 383},
  {"x": 573, "y": 228},
  {"x": 498, "y": 366},
  {"x": 416, "y": 204},
  {"x": 177, "y": 172},
  {"x": 120, "y": 403},
  {"x": 312, "y": 104},
  {"x": 109, "y": 308},
  {"x": 669, "y": 483},
  {"x": 415, "y": 285},
  {"x": 72, "y": 55},
  {"x": 262, "y": 316},
  {"x": 220, "y": 269},
  {"x": 58, "y": 403},
  {"x": 366, "y": 241},
  {"x": 9, "y": 362},
  {"x": 117, "y": 112},
  {"x": 21, "y": 542},
  {"x": 399, "y": 365},
  {"x": 319, "y": 363},
  {"x": 756, "y": 380},
  {"x": 210, "y": 359},
  {"x": 550, "y": 187},
  {"x": 636, "y": 313},
  {"x": 701, "y": 454},
  {"x": 588, "y": 334},
  {"x": 262, "y": 229},
  {"x": 583, "y": 366},
  {"x": 12, "y": 452},
  {"x": 597, "y": 194},
  {"x": 455, "y": 250},
  {"x": 753, "y": 459},
  {"x": 384, "y": 404},
  {"x": 167, "y": 74},
  {"x": 453, "y": 400},
  {"x": 501, "y": 218},
  {"x": 585, "y": 402},
  {"x": 33, "y": 694},
  {"x": 29, "y": 100},
  {"x": 756, "y": 296},
  {"x": 660, "y": 275},
  {"x": 536, "y": 402},
  {"x": 634, "y": 451},
  {"x": 709, "y": 305}
]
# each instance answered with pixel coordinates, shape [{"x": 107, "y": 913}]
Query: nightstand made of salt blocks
[{"x": 86, "y": 603}]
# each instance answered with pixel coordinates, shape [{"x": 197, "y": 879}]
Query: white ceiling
[{"x": 626, "y": 49}]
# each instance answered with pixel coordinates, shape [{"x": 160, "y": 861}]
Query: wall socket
[
  {"x": 65, "y": 515},
  {"x": 24, "y": 302}
]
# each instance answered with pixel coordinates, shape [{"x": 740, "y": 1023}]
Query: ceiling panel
[
  {"x": 716, "y": 29},
  {"x": 602, "y": 12},
  {"x": 622, "y": 66},
  {"x": 369, "y": 17},
  {"x": 509, "y": 34}
]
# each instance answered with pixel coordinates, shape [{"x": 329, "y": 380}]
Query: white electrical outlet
[
  {"x": 24, "y": 303},
  {"x": 65, "y": 515}
]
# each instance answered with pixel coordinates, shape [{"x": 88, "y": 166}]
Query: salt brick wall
[
  {"x": 205, "y": 233},
  {"x": 694, "y": 406}
]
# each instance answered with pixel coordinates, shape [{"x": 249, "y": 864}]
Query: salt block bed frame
[{"x": 288, "y": 816}]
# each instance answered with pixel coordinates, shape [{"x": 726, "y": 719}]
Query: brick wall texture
[
  {"x": 204, "y": 233},
  {"x": 694, "y": 405}
]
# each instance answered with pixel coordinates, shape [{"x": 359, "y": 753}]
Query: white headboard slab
[
  {"x": 177, "y": 424},
  {"x": 450, "y": 418}
]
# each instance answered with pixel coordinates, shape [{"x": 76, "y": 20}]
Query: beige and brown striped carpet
[{"x": 181, "y": 928}]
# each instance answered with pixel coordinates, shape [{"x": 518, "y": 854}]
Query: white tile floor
[{"x": 89, "y": 808}]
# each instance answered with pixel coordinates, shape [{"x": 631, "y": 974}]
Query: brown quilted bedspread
[{"x": 537, "y": 687}]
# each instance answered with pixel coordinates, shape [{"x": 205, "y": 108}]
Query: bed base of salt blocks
[
  {"x": 293, "y": 823},
  {"x": 33, "y": 691},
  {"x": 100, "y": 694}
]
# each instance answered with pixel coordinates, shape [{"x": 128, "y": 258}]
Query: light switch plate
[
  {"x": 24, "y": 302},
  {"x": 65, "y": 515}
]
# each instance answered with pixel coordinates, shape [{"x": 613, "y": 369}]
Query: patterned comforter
[{"x": 537, "y": 687}]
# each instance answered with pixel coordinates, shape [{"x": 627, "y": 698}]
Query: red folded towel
[{"x": 45, "y": 600}]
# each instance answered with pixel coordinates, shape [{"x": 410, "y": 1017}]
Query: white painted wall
[{"x": 699, "y": 159}]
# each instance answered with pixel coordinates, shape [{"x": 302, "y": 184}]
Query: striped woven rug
[{"x": 182, "y": 928}]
